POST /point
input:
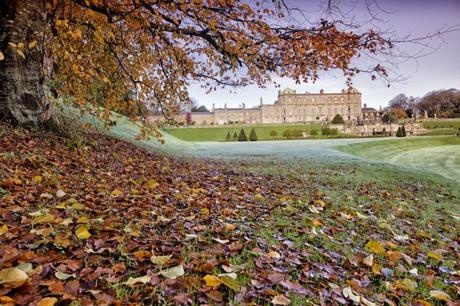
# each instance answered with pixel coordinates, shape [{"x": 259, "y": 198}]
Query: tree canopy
[{"x": 135, "y": 55}]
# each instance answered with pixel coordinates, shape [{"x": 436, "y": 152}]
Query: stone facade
[{"x": 290, "y": 107}]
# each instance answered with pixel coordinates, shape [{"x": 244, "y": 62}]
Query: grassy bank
[
  {"x": 219, "y": 133},
  {"x": 435, "y": 154}
]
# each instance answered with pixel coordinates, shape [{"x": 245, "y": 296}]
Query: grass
[
  {"x": 436, "y": 154},
  {"x": 219, "y": 133},
  {"x": 441, "y": 132},
  {"x": 440, "y": 124}
]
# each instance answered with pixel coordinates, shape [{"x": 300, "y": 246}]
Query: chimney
[
  {"x": 213, "y": 106},
  {"x": 321, "y": 91},
  {"x": 244, "y": 105},
  {"x": 261, "y": 101},
  {"x": 365, "y": 105}
]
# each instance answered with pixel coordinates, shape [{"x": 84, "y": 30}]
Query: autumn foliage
[{"x": 139, "y": 56}]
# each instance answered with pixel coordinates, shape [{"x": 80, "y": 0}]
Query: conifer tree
[
  {"x": 253, "y": 135},
  {"x": 228, "y": 137},
  {"x": 242, "y": 136}
]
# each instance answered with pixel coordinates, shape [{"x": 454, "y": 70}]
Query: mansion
[{"x": 290, "y": 107}]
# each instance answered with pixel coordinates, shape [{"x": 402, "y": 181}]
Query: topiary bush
[
  {"x": 403, "y": 131},
  {"x": 253, "y": 135},
  {"x": 228, "y": 137},
  {"x": 273, "y": 133},
  {"x": 314, "y": 132},
  {"x": 242, "y": 136},
  {"x": 287, "y": 133},
  {"x": 235, "y": 135},
  {"x": 338, "y": 119},
  {"x": 334, "y": 132},
  {"x": 325, "y": 131},
  {"x": 297, "y": 133}
]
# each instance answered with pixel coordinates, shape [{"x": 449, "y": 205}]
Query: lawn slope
[{"x": 439, "y": 155}]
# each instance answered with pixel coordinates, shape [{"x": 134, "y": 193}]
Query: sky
[{"x": 436, "y": 69}]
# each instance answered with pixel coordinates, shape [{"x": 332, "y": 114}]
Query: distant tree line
[{"x": 444, "y": 103}]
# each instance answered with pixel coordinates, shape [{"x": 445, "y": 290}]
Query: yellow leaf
[
  {"x": 274, "y": 254},
  {"x": 212, "y": 281},
  {"x": 205, "y": 211},
  {"x": 46, "y": 218},
  {"x": 37, "y": 179},
  {"x": 439, "y": 295},
  {"x": 406, "y": 284},
  {"x": 375, "y": 247},
  {"x": 82, "y": 232},
  {"x": 152, "y": 184},
  {"x": 48, "y": 301},
  {"x": 259, "y": 197},
  {"x": 281, "y": 300},
  {"x": 369, "y": 260},
  {"x": 436, "y": 254},
  {"x": 83, "y": 219},
  {"x": 117, "y": 193},
  {"x": 2, "y": 57},
  {"x": 3, "y": 229},
  {"x": 160, "y": 260},
  {"x": 230, "y": 282},
  {"x": 21, "y": 45},
  {"x": 21, "y": 53},
  {"x": 60, "y": 206},
  {"x": 12, "y": 277},
  {"x": 33, "y": 44},
  {"x": 138, "y": 280}
]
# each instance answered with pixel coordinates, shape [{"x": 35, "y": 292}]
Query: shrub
[
  {"x": 403, "y": 131},
  {"x": 297, "y": 133},
  {"x": 287, "y": 133},
  {"x": 273, "y": 133},
  {"x": 242, "y": 136},
  {"x": 235, "y": 135},
  {"x": 399, "y": 132},
  {"x": 325, "y": 131},
  {"x": 314, "y": 132},
  {"x": 228, "y": 137},
  {"x": 334, "y": 132},
  {"x": 338, "y": 119},
  {"x": 253, "y": 135}
]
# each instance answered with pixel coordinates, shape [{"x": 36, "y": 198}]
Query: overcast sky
[{"x": 438, "y": 70}]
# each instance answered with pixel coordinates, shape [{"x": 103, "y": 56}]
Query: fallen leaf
[
  {"x": 212, "y": 280},
  {"x": 63, "y": 276},
  {"x": 116, "y": 193},
  {"x": 230, "y": 282},
  {"x": 369, "y": 260},
  {"x": 281, "y": 300},
  {"x": 406, "y": 284},
  {"x": 3, "y": 229},
  {"x": 348, "y": 293},
  {"x": 173, "y": 272},
  {"x": 48, "y": 301},
  {"x": 138, "y": 280},
  {"x": 221, "y": 241},
  {"x": 160, "y": 260},
  {"x": 440, "y": 295},
  {"x": 60, "y": 193},
  {"x": 375, "y": 247},
  {"x": 82, "y": 232},
  {"x": 12, "y": 277},
  {"x": 274, "y": 255}
]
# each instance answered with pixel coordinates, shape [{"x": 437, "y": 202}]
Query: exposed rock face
[{"x": 22, "y": 99}]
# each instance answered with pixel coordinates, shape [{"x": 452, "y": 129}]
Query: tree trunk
[{"x": 22, "y": 99}]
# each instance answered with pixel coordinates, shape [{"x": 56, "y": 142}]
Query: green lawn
[
  {"x": 440, "y": 131},
  {"x": 436, "y": 154},
  {"x": 219, "y": 133},
  {"x": 439, "y": 124}
]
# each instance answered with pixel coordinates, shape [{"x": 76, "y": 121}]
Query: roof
[{"x": 369, "y": 110}]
